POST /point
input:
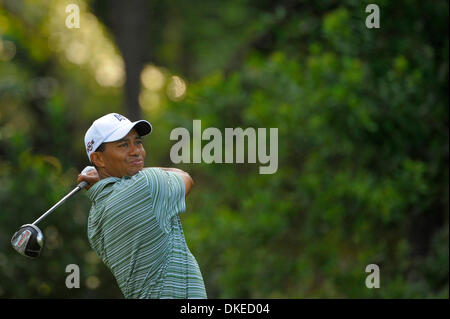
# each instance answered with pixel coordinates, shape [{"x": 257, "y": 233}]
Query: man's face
[{"x": 124, "y": 157}]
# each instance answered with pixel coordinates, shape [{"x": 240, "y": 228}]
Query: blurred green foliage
[{"x": 362, "y": 118}]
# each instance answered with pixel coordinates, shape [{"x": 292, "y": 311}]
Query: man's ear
[{"x": 97, "y": 159}]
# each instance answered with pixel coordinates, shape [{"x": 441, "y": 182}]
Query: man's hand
[
  {"x": 91, "y": 177},
  {"x": 187, "y": 179}
]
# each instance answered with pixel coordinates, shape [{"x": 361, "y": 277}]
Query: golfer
[{"x": 133, "y": 223}]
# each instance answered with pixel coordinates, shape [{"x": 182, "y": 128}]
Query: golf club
[{"x": 29, "y": 240}]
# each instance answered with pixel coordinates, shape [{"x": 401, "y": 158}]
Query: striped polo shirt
[{"x": 134, "y": 227}]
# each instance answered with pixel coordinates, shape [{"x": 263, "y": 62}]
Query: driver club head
[{"x": 28, "y": 241}]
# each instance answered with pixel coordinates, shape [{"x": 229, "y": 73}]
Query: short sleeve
[{"x": 168, "y": 195}]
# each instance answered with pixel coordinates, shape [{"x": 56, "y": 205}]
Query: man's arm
[
  {"x": 187, "y": 179},
  {"x": 92, "y": 177}
]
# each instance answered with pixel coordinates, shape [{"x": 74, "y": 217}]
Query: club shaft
[{"x": 76, "y": 189}]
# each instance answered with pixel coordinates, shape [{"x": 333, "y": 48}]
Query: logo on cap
[
  {"x": 90, "y": 145},
  {"x": 120, "y": 117}
]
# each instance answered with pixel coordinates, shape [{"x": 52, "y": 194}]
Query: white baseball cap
[{"x": 112, "y": 127}]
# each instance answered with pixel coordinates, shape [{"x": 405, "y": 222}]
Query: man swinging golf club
[{"x": 133, "y": 223}]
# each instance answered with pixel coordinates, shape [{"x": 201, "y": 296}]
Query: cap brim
[{"x": 142, "y": 128}]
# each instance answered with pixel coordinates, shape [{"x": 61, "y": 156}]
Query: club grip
[{"x": 82, "y": 185}]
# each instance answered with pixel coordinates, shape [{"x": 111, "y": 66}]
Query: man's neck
[{"x": 102, "y": 173}]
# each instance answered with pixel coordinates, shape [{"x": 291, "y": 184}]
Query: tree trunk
[{"x": 128, "y": 21}]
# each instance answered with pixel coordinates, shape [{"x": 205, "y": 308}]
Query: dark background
[{"x": 362, "y": 118}]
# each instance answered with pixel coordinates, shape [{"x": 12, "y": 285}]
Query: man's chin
[{"x": 133, "y": 171}]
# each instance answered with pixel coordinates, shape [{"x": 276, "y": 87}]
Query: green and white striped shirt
[{"x": 135, "y": 229}]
